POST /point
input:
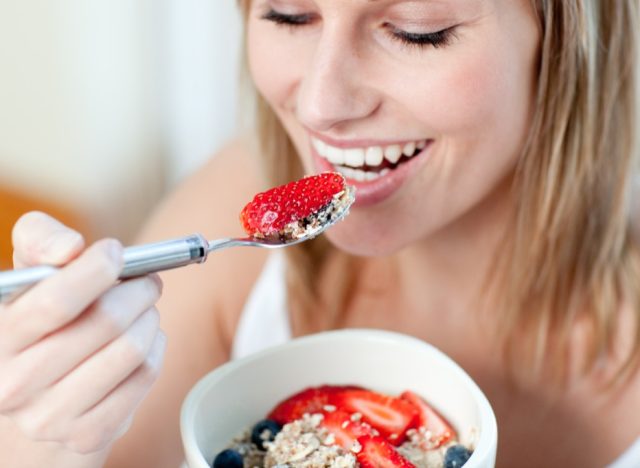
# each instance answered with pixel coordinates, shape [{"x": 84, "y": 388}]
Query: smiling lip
[{"x": 372, "y": 192}]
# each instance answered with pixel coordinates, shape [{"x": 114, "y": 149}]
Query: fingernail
[{"x": 60, "y": 246}]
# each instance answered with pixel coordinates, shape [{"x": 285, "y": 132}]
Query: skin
[
  {"x": 347, "y": 79},
  {"x": 427, "y": 247}
]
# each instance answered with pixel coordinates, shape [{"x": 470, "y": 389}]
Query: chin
[{"x": 369, "y": 242}]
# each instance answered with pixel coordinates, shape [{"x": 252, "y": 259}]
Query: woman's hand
[{"x": 78, "y": 351}]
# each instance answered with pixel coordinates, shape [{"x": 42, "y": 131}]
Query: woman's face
[{"x": 423, "y": 105}]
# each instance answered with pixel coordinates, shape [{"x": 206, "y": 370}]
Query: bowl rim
[{"x": 483, "y": 448}]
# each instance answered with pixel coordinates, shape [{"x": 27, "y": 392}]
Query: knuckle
[
  {"x": 38, "y": 426},
  {"x": 135, "y": 345},
  {"x": 108, "y": 318},
  {"x": 29, "y": 220},
  {"x": 7, "y": 399},
  {"x": 56, "y": 307},
  {"x": 104, "y": 265},
  {"x": 131, "y": 351},
  {"x": 143, "y": 291},
  {"x": 12, "y": 393},
  {"x": 85, "y": 444},
  {"x": 118, "y": 308},
  {"x": 85, "y": 440},
  {"x": 36, "y": 233}
]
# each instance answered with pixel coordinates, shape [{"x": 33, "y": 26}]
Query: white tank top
[{"x": 264, "y": 322}]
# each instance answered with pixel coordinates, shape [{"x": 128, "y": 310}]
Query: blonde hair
[{"x": 569, "y": 254}]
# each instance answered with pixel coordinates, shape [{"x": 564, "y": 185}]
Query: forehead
[{"x": 368, "y": 2}]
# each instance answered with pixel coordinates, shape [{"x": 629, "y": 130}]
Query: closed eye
[
  {"x": 436, "y": 39},
  {"x": 283, "y": 19}
]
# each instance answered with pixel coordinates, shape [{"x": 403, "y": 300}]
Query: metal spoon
[{"x": 150, "y": 258}]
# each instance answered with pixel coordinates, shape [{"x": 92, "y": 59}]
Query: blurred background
[{"x": 107, "y": 104}]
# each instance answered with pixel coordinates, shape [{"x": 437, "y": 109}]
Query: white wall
[
  {"x": 103, "y": 101},
  {"x": 201, "y": 53}
]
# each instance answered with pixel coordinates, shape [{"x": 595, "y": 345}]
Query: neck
[{"x": 449, "y": 270}]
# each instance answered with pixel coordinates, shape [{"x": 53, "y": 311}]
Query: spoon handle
[{"x": 138, "y": 260}]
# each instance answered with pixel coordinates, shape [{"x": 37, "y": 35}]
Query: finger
[
  {"x": 95, "y": 378},
  {"x": 114, "y": 413},
  {"x": 102, "y": 423},
  {"x": 59, "y": 299},
  {"x": 33, "y": 370},
  {"x": 38, "y": 238}
]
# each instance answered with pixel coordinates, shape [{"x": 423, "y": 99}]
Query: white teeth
[
  {"x": 372, "y": 175},
  {"x": 392, "y": 153},
  {"x": 353, "y": 174},
  {"x": 343, "y": 170},
  {"x": 409, "y": 149},
  {"x": 358, "y": 175},
  {"x": 335, "y": 155},
  {"x": 320, "y": 146},
  {"x": 354, "y": 157},
  {"x": 374, "y": 156}
]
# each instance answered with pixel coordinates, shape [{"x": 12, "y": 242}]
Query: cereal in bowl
[{"x": 347, "y": 427}]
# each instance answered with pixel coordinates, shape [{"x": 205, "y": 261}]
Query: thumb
[{"x": 40, "y": 239}]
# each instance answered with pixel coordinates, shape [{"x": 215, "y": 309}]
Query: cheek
[
  {"x": 474, "y": 94},
  {"x": 274, "y": 63},
  {"x": 482, "y": 88},
  {"x": 263, "y": 63}
]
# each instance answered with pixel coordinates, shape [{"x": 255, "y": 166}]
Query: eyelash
[
  {"x": 435, "y": 39},
  {"x": 291, "y": 21}
]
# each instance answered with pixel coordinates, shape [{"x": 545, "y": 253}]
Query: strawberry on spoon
[
  {"x": 282, "y": 216},
  {"x": 297, "y": 209}
]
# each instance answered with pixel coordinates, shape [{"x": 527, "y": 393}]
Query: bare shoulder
[
  {"x": 622, "y": 410},
  {"x": 200, "y": 304},
  {"x": 616, "y": 407},
  {"x": 209, "y": 203},
  {"x": 211, "y": 198}
]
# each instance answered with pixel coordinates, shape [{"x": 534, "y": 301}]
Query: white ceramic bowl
[{"x": 238, "y": 394}]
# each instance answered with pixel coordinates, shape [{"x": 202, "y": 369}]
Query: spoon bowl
[{"x": 151, "y": 258}]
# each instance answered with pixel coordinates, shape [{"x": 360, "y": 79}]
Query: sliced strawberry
[
  {"x": 269, "y": 212},
  {"x": 378, "y": 453},
  {"x": 440, "y": 429},
  {"x": 390, "y": 416},
  {"x": 309, "y": 400},
  {"x": 345, "y": 430}
]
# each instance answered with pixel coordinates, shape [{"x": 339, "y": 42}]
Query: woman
[{"x": 491, "y": 145}]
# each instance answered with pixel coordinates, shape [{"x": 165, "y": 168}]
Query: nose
[{"x": 333, "y": 90}]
